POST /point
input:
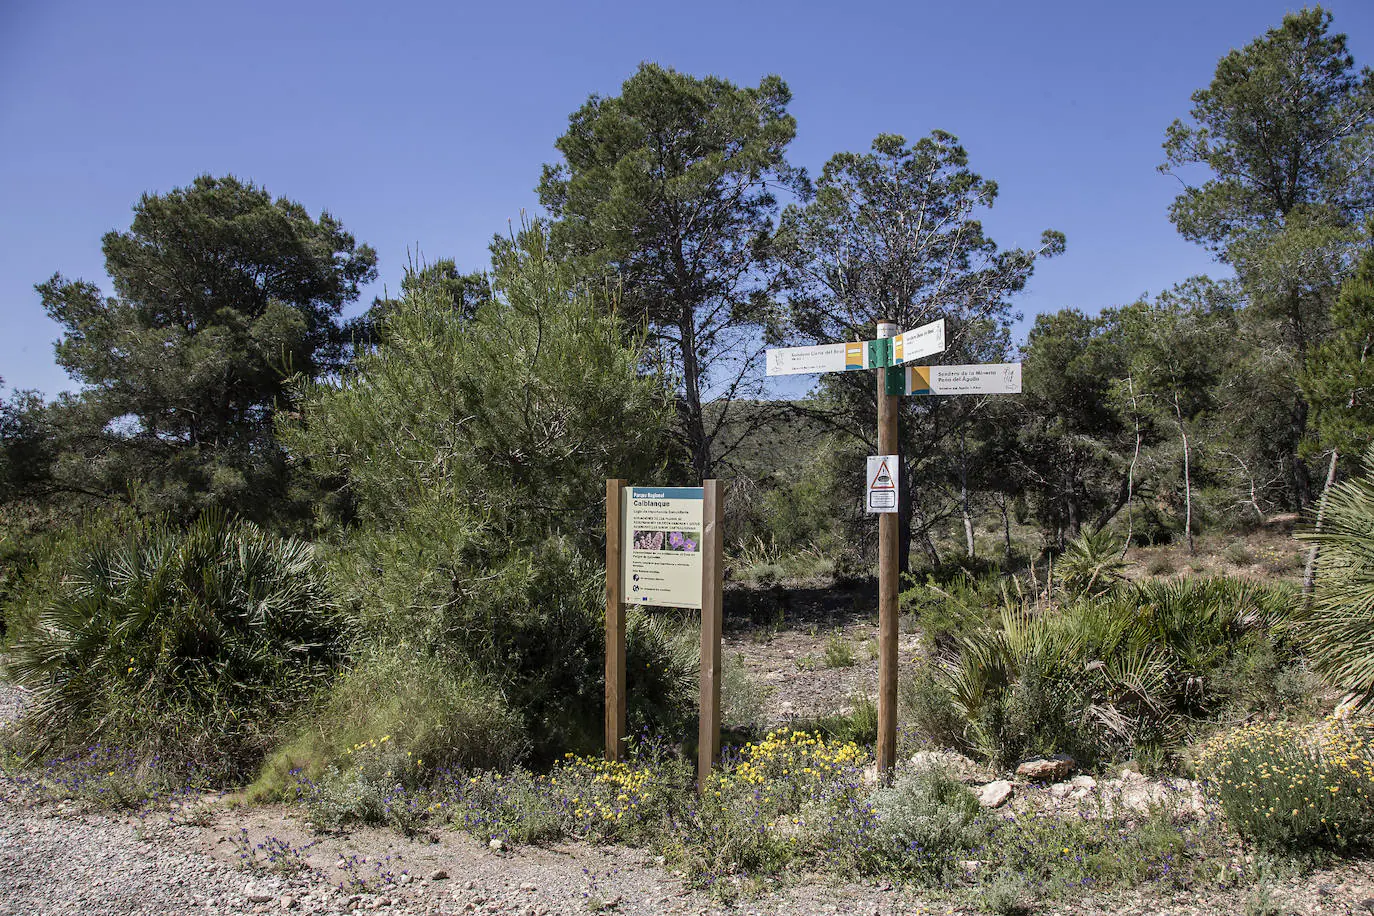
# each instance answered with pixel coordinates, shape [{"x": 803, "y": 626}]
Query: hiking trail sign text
[
  {"x": 661, "y": 546},
  {"x": 990, "y": 378}
]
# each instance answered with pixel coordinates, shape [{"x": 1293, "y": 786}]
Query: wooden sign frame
[{"x": 712, "y": 594}]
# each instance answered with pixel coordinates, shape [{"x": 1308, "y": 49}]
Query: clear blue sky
[{"x": 427, "y": 123}]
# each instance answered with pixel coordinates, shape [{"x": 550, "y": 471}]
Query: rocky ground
[{"x": 208, "y": 856}]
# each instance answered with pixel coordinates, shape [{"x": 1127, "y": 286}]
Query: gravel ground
[{"x": 61, "y": 859}]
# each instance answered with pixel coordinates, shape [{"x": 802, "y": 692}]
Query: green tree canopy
[
  {"x": 670, "y": 187},
  {"x": 895, "y": 234},
  {"x": 1284, "y": 132},
  {"x": 221, "y": 295}
]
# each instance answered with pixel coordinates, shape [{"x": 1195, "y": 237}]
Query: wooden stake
[
  {"x": 712, "y": 580},
  {"x": 888, "y": 571},
  {"x": 615, "y": 625}
]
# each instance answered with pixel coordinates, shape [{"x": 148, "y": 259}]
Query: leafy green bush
[
  {"x": 1105, "y": 677},
  {"x": 189, "y": 645},
  {"x": 1295, "y": 790},
  {"x": 952, "y": 602},
  {"x": 474, "y": 447}
]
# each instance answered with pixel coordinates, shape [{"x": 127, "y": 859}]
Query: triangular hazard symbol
[{"x": 883, "y": 479}]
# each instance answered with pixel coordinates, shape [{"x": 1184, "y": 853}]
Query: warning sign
[{"x": 882, "y": 483}]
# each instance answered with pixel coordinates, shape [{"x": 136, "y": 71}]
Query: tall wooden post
[
  {"x": 615, "y": 624},
  {"x": 888, "y": 572},
  {"x": 712, "y": 583}
]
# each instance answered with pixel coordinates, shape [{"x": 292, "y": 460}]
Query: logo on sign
[{"x": 882, "y": 489}]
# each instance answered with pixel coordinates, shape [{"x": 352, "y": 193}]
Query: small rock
[
  {"x": 660, "y": 861},
  {"x": 470, "y": 886},
  {"x": 438, "y": 875},
  {"x": 1083, "y": 782},
  {"x": 1060, "y": 790},
  {"x": 1368, "y": 904},
  {"x": 496, "y": 846},
  {"x": 1046, "y": 769},
  {"x": 289, "y": 903},
  {"x": 257, "y": 896},
  {"x": 527, "y": 886},
  {"x": 994, "y": 794},
  {"x": 405, "y": 878},
  {"x": 970, "y": 868}
]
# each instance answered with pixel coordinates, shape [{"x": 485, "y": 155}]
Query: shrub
[
  {"x": 742, "y": 696},
  {"x": 1338, "y": 626},
  {"x": 1090, "y": 565},
  {"x": 1160, "y": 565},
  {"x": 1238, "y": 554},
  {"x": 190, "y": 645},
  {"x": 429, "y": 709},
  {"x": 838, "y": 652},
  {"x": 927, "y": 822},
  {"x": 951, "y": 603},
  {"x": 1105, "y": 677},
  {"x": 931, "y": 710},
  {"x": 1295, "y": 790}
]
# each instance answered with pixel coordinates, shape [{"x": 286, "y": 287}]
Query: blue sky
[{"x": 427, "y": 123}]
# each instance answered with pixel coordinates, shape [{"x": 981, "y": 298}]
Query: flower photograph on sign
[
  {"x": 683, "y": 541},
  {"x": 649, "y": 540}
]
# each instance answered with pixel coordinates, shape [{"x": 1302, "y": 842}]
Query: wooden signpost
[
  {"x": 892, "y": 354},
  {"x": 664, "y": 547}
]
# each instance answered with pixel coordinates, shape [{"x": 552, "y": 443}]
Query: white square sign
[{"x": 882, "y": 484}]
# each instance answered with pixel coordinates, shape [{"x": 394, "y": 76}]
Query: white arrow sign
[
  {"x": 992, "y": 378},
  {"x": 925, "y": 340},
  {"x": 822, "y": 358}
]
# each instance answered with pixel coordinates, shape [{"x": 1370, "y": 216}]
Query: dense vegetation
[{"x": 359, "y": 563}]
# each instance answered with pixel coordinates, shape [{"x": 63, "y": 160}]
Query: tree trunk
[
  {"x": 693, "y": 421},
  {"x": 1187, "y": 478},
  {"x": 1309, "y": 575},
  {"x": 970, "y": 547},
  {"x": 1301, "y": 480},
  {"x": 905, "y": 487},
  {"x": 1006, "y": 529},
  {"x": 1130, "y": 474}
]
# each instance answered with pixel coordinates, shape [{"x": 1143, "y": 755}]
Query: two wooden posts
[{"x": 665, "y": 545}]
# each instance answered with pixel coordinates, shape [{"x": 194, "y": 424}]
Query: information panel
[
  {"x": 661, "y": 545},
  {"x": 992, "y": 378}
]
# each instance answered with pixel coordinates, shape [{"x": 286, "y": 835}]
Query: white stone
[{"x": 994, "y": 794}]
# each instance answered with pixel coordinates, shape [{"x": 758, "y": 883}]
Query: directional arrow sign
[
  {"x": 838, "y": 357},
  {"x": 924, "y": 341},
  {"x": 991, "y": 378}
]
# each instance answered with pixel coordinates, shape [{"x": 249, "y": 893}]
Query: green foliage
[
  {"x": 1101, "y": 678},
  {"x": 1338, "y": 626},
  {"x": 426, "y": 706},
  {"x": 1338, "y": 375},
  {"x": 474, "y": 451},
  {"x": 1294, "y": 791},
  {"x": 222, "y": 295},
  {"x": 927, "y": 822},
  {"x": 1090, "y": 565},
  {"x": 190, "y": 645},
  {"x": 952, "y": 602},
  {"x": 1283, "y": 131},
  {"x": 668, "y": 187},
  {"x": 839, "y": 653}
]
